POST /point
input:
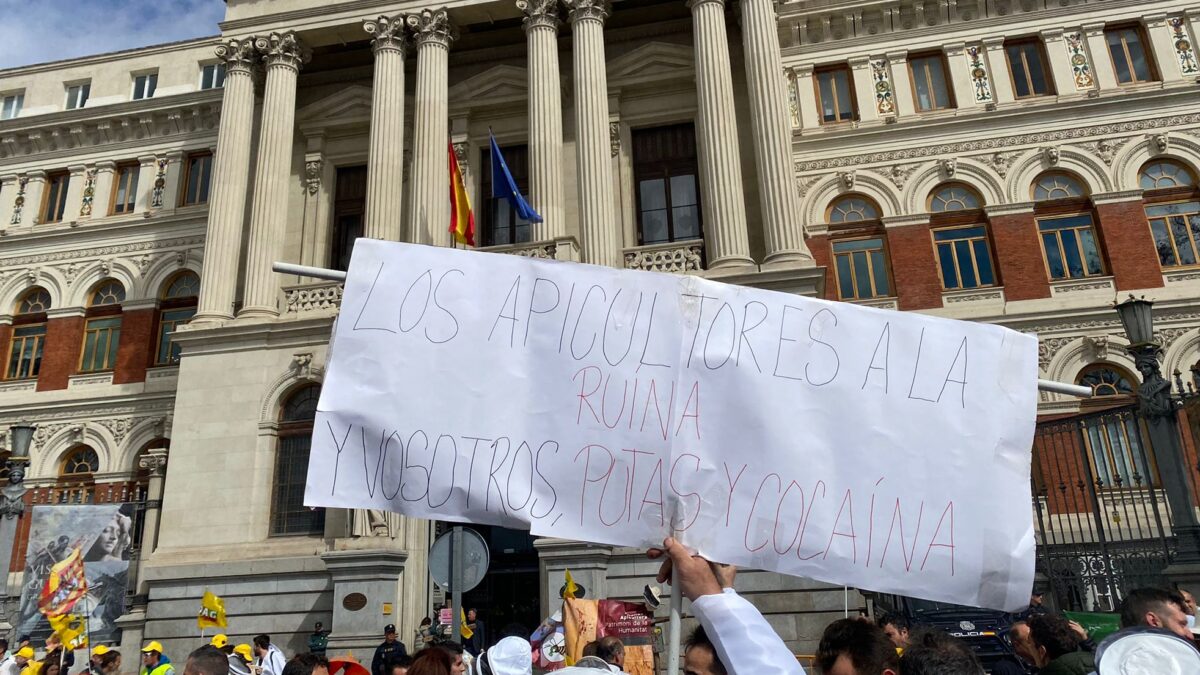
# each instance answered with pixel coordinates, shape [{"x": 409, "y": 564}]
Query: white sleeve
[{"x": 744, "y": 640}]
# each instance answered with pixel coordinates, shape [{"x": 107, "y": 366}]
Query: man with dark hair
[
  {"x": 388, "y": 650},
  {"x": 932, "y": 652},
  {"x": 1155, "y": 607},
  {"x": 307, "y": 664},
  {"x": 700, "y": 656},
  {"x": 207, "y": 660},
  {"x": 267, "y": 656},
  {"x": 455, "y": 650},
  {"x": 896, "y": 628},
  {"x": 400, "y": 665},
  {"x": 1056, "y": 647},
  {"x": 611, "y": 651},
  {"x": 853, "y": 647},
  {"x": 318, "y": 642}
]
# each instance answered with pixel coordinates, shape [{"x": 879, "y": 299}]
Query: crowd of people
[{"x": 733, "y": 638}]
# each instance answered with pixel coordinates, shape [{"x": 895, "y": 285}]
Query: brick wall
[
  {"x": 818, "y": 245},
  {"x": 1125, "y": 234},
  {"x": 137, "y": 343},
  {"x": 60, "y": 357},
  {"x": 5, "y": 343},
  {"x": 1019, "y": 257},
  {"x": 914, "y": 269}
]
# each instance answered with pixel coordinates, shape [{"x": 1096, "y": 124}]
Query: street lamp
[
  {"x": 1158, "y": 409},
  {"x": 12, "y": 496}
]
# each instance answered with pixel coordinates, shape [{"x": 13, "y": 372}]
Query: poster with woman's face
[{"x": 104, "y": 534}]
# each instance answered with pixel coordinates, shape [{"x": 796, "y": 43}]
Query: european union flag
[{"x": 504, "y": 186}]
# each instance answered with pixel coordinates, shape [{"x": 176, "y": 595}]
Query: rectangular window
[
  {"x": 1070, "y": 246},
  {"x": 1027, "y": 64},
  {"x": 665, "y": 170},
  {"x": 56, "y": 196},
  {"x": 964, "y": 258},
  {"x": 11, "y": 106},
  {"x": 929, "y": 82},
  {"x": 144, "y": 86},
  {"x": 349, "y": 205},
  {"x": 125, "y": 188},
  {"x": 100, "y": 339},
  {"x": 835, "y": 96},
  {"x": 198, "y": 174},
  {"x": 289, "y": 515},
  {"x": 1129, "y": 55},
  {"x": 77, "y": 95},
  {"x": 25, "y": 353},
  {"x": 500, "y": 222},
  {"x": 1176, "y": 230},
  {"x": 168, "y": 321},
  {"x": 212, "y": 76},
  {"x": 861, "y": 268}
]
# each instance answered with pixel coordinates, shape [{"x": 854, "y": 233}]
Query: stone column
[
  {"x": 958, "y": 71},
  {"x": 283, "y": 55},
  {"x": 545, "y": 117},
  {"x": 154, "y": 460},
  {"x": 429, "y": 215},
  {"x": 1162, "y": 43},
  {"x": 1102, "y": 63},
  {"x": 385, "y": 161},
  {"x": 230, "y": 173},
  {"x": 1002, "y": 86},
  {"x": 772, "y": 136},
  {"x": 902, "y": 88},
  {"x": 593, "y": 147},
  {"x": 725, "y": 233},
  {"x": 807, "y": 95}
]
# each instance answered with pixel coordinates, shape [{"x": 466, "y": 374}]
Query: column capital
[
  {"x": 992, "y": 43},
  {"x": 693, "y": 4},
  {"x": 858, "y": 62},
  {"x": 387, "y": 33},
  {"x": 1093, "y": 29},
  {"x": 588, "y": 10},
  {"x": 239, "y": 55},
  {"x": 432, "y": 26},
  {"x": 803, "y": 70},
  {"x": 76, "y": 169},
  {"x": 954, "y": 48},
  {"x": 106, "y": 165},
  {"x": 283, "y": 50},
  {"x": 539, "y": 13},
  {"x": 154, "y": 460},
  {"x": 897, "y": 57},
  {"x": 1051, "y": 34},
  {"x": 1155, "y": 20}
]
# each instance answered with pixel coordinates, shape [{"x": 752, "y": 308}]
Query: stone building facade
[{"x": 1013, "y": 161}]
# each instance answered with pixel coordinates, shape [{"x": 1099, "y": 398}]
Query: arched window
[
  {"x": 177, "y": 307},
  {"x": 1164, "y": 173},
  {"x": 954, "y": 197},
  {"x": 1057, "y": 185},
  {"x": 76, "y": 476},
  {"x": 1107, "y": 380},
  {"x": 28, "y": 335},
  {"x": 852, "y": 209},
  {"x": 1173, "y": 211},
  {"x": 102, "y": 331},
  {"x": 289, "y": 515}
]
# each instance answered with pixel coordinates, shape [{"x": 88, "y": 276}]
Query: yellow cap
[
  {"x": 153, "y": 646},
  {"x": 219, "y": 640},
  {"x": 244, "y": 652},
  {"x": 25, "y": 652},
  {"x": 100, "y": 650}
]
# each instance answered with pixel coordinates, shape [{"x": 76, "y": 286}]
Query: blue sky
[{"x": 51, "y": 30}]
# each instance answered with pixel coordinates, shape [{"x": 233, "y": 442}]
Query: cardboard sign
[{"x": 883, "y": 450}]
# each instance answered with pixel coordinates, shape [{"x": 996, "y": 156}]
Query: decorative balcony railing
[
  {"x": 315, "y": 296},
  {"x": 679, "y": 257}
]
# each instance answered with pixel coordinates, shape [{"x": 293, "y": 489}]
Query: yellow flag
[
  {"x": 212, "y": 612},
  {"x": 571, "y": 588},
  {"x": 69, "y": 630},
  {"x": 466, "y": 632}
]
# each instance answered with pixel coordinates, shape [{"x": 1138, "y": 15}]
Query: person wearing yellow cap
[
  {"x": 240, "y": 660},
  {"x": 154, "y": 662},
  {"x": 221, "y": 641},
  {"x": 98, "y": 652},
  {"x": 15, "y": 662}
]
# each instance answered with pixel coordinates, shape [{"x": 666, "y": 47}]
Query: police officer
[{"x": 386, "y": 652}]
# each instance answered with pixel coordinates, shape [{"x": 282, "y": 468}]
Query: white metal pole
[{"x": 673, "y": 625}]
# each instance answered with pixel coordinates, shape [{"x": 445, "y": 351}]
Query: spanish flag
[
  {"x": 64, "y": 587},
  {"x": 462, "y": 221}
]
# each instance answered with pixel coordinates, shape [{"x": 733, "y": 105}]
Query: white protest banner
[{"x": 884, "y": 450}]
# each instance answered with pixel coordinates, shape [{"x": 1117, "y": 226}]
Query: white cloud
[{"x": 51, "y": 30}]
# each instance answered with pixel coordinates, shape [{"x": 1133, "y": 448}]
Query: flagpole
[{"x": 87, "y": 623}]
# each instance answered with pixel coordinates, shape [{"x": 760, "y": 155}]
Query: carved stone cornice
[
  {"x": 588, "y": 10},
  {"x": 283, "y": 50},
  {"x": 239, "y": 55},
  {"x": 432, "y": 26},
  {"x": 387, "y": 33},
  {"x": 539, "y": 13}
]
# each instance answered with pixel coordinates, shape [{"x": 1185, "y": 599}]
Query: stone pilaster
[
  {"x": 385, "y": 161},
  {"x": 30, "y": 211},
  {"x": 807, "y": 95},
  {"x": 147, "y": 170},
  {"x": 1163, "y": 46},
  {"x": 1002, "y": 86},
  {"x": 959, "y": 75},
  {"x": 593, "y": 146},
  {"x": 74, "y": 193},
  {"x": 231, "y": 172},
  {"x": 772, "y": 136},
  {"x": 283, "y": 54},
  {"x": 153, "y": 460},
  {"x": 902, "y": 84},
  {"x": 1102, "y": 63},
  {"x": 545, "y": 117},
  {"x": 721, "y": 186},
  {"x": 864, "y": 88},
  {"x": 106, "y": 171},
  {"x": 429, "y": 214},
  {"x": 1060, "y": 63}
]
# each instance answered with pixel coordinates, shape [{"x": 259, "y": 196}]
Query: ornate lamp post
[
  {"x": 12, "y": 496},
  {"x": 1159, "y": 411}
]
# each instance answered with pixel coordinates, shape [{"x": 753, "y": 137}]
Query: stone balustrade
[
  {"x": 315, "y": 296},
  {"x": 678, "y": 257}
]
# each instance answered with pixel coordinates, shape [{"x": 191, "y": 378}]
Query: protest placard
[{"x": 884, "y": 450}]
